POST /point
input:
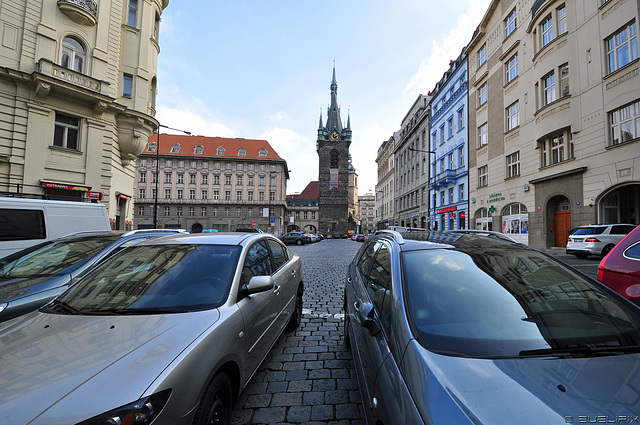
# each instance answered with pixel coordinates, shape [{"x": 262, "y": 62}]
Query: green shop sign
[{"x": 495, "y": 197}]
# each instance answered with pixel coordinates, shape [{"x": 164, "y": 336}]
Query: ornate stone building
[
  {"x": 332, "y": 146},
  {"x": 211, "y": 183},
  {"x": 77, "y": 94},
  {"x": 384, "y": 187}
]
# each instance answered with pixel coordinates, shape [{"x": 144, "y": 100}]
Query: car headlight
[
  {"x": 140, "y": 412},
  {"x": 3, "y": 306}
]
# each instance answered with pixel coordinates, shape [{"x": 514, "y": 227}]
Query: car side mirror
[
  {"x": 367, "y": 316},
  {"x": 259, "y": 284}
]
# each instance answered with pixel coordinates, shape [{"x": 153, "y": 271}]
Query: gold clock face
[{"x": 334, "y": 136}]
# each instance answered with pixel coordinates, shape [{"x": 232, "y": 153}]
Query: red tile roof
[
  {"x": 210, "y": 146},
  {"x": 309, "y": 192}
]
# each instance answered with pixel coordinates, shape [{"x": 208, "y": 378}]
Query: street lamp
[
  {"x": 155, "y": 202},
  {"x": 420, "y": 150}
]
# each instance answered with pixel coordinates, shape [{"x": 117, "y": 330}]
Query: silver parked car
[
  {"x": 167, "y": 332},
  {"x": 468, "y": 329},
  {"x": 596, "y": 239}
]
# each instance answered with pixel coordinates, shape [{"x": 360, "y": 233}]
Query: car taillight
[
  {"x": 591, "y": 240},
  {"x": 600, "y": 274}
]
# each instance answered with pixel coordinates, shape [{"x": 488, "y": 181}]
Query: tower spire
[{"x": 333, "y": 114}]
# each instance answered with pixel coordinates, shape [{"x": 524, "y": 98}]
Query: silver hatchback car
[
  {"x": 596, "y": 239},
  {"x": 167, "y": 332}
]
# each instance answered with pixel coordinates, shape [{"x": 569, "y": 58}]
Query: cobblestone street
[{"x": 308, "y": 377}]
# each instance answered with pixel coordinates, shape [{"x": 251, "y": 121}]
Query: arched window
[
  {"x": 242, "y": 152},
  {"x": 262, "y": 153},
  {"x": 221, "y": 151},
  {"x": 333, "y": 155},
  {"x": 73, "y": 54},
  {"x": 198, "y": 150},
  {"x": 483, "y": 219},
  {"x": 515, "y": 219}
]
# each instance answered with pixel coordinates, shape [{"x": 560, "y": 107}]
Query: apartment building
[
  {"x": 77, "y": 91},
  {"x": 302, "y": 210},
  {"x": 384, "y": 188},
  {"x": 448, "y": 182},
  {"x": 554, "y": 99},
  {"x": 210, "y": 183},
  {"x": 367, "y": 213},
  {"x": 411, "y": 171}
]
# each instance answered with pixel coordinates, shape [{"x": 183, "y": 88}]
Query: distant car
[
  {"x": 359, "y": 238},
  {"x": 32, "y": 277},
  {"x": 168, "y": 331},
  {"x": 620, "y": 269},
  {"x": 320, "y": 236},
  {"x": 249, "y": 230},
  {"x": 297, "y": 238},
  {"x": 596, "y": 239},
  {"x": 466, "y": 329}
]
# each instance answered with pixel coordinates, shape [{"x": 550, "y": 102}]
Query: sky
[{"x": 262, "y": 69}]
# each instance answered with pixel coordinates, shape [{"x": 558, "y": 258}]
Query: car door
[
  {"x": 260, "y": 310},
  {"x": 285, "y": 278}
]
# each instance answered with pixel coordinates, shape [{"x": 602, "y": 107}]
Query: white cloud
[
  {"x": 188, "y": 120},
  {"x": 279, "y": 116},
  {"x": 448, "y": 48}
]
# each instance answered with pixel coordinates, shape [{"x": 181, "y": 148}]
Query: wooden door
[{"x": 562, "y": 227}]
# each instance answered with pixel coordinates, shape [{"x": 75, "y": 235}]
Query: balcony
[
  {"x": 442, "y": 178},
  {"x": 83, "y": 12}
]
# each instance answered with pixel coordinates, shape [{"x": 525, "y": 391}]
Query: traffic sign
[{"x": 253, "y": 223}]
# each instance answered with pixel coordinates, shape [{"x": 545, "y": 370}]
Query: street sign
[
  {"x": 273, "y": 221},
  {"x": 253, "y": 223}
]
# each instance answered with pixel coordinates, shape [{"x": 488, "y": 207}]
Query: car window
[
  {"x": 156, "y": 278},
  {"x": 633, "y": 251},
  {"x": 257, "y": 263},
  {"x": 498, "y": 302},
  {"x": 378, "y": 284},
  {"x": 279, "y": 254},
  {"x": 621, "y": 229},
  {"x": 590, "y": 230},
  {"x": 54, "y": 257},
  {"x": 364, "y": 263}
]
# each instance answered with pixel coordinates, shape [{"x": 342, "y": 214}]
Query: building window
[
  {"x": 142, "y": 193},
  {"x": 226, "y": 211},
  {"x": 272, "y": 196},
  {"x": 227, "y": 195},
  {"x": 215, "y": 211},
  {"x": 513, "y": 165},
  {"x": 549, "y": 89},
  {"x": 562, "y": 19},
  {"x": 262, "y": 153},
  {"x": 483, "y": 138},
  {"x": 216, "y": 180},
  {"x": 450, "y": 127},
  {"x": 179, "y": 211},
  {"x": 140, "y": 210},
  {"x": 251, "y": 181},
  {"x": 242, "y": 152},
  {"x": 625, "y": 123},
  {"x": 262, "y": 181},
  {"x": 564, "y": 81},
  {"x": 167, "y": 178},
  {"x": 513, "y": 116},
  {"x": 66, "y": 132},
  {"x": 272, "y": 181},
  {"x": 192, "y": 194},
  {"x": 238, "y": 212},
  {"x": 132, "y": 15},
  {"x": 73, "y": 54},
  {"x": 203, "y": 211},
  {"x": 216, "y": 195},
  {"x": 460, "y": 119},
  {"x": 167, "y": 210},
  {"x": 167, "y": 194},
  {"x": 198, "y": 150},
  {"x": 175, "y": 148},
  {"x": 460, "y": 157},
  {"x": 180, "y": 193},
  {"x": 239, "y": 180},
  {"x": 441, "y": 135},
  {"x": 192, "y": 211},
  {"x": 482, "y": 55},
  {"x": 204, "y": 193},
  {"x": 250, "y": 212},
  {"x": 180, "y": 178},
  {"x": 220, "y": 151},
  {"x": 622, "y": 47},
  {"x": 313, "y": 215},
  {"x": 238, "y": 195},
  {"x": 451, "y": 195},
  {"x": 510, "y": 23},
  {"x": 547, "y": 31},
  {"x": 227, "y": 180},
  {"x": 143, "y": 177},
  {"x": 512, "y": 68},
  {"x": 192, "y": 179},
  {"x": 461, "y": 192},
  {"x": 127, "y": 85},
  {"x": 557, "y": 149},
  {"x": 205, "y": 178},
  {"x": 483, "y": 176},
  {"x": 250, "y": 195},
  {"x": 482, "y": 94},
  {"x": 261, "y": 196}
]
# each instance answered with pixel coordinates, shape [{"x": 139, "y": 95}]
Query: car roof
[
  {"x": 447, "y": 239},
  {"x": 219, "y": 238}
]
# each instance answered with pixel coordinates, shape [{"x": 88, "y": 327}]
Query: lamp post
[{"x": 155, "y": 201}]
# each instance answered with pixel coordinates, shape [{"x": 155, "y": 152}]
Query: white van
[{"x": 26, "y": 222}]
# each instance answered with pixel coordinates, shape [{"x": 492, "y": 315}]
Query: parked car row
[
  {"x": 461, "y": 327},
  {"x": 300, "y": 238}
]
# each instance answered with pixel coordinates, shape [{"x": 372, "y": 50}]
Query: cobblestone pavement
[{"x": 308, "y": 377}]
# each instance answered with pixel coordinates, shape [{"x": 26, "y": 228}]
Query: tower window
[{"x": 334, "y": 159}]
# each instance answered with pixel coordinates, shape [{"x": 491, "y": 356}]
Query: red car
[{"x": 620, "y": 269}]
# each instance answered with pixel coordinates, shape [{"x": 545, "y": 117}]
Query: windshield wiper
[
  {"x": 132, "y": 311},
  {"x": 587, "y": 350},
  {"x": 64, "y": 306}
]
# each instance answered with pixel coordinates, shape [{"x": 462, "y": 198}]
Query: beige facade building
[
  {"x": 411, "y": 171},
  {"x": 77, "y": 93},
  {"x": 384, "y": 188},
  {"x": 554, "y": 121},
  {"x": 367, "y": 212},
  {"x": 211, "y": 183}
]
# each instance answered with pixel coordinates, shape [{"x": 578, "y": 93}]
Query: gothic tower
[{"x": 332, "y": 146}]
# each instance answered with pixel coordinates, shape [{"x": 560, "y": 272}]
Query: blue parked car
[{"x": 470, "y": 328}]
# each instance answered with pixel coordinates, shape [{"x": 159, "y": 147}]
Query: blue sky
[{"x": 262, "y": 69}]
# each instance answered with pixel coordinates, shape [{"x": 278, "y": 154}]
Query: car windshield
[
  {"x": 495, "y": 303},
  {"x": 154, "y": 279},
  {"x": 55, "y": 257}
]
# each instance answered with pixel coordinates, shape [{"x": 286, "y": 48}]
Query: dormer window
[
  {"x": 220, "y": 151},
  {"x": 175, "y": 148},
  {"x": 262, "y": 153},
  {"x": 198, "y": 150},
  {"x": 242, "y": 152},
  {"x": 152, "y": 147}
]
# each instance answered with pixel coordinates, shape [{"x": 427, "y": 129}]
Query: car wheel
[
  {"x": 217, "y": 402},
  {"x": 606, "y": 250},
  {"x": 296, "y": 318},
  {"x": 299, "y": 242},
  {"x": 581, "y": 255}
]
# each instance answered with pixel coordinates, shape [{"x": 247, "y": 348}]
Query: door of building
[{"x": 562, "y": 227}]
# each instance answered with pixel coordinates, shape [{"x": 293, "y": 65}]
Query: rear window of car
[
  {"x": 495, "y": 303},
  {"x": 590, "y": 230}
]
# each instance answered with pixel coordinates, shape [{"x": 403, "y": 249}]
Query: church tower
[{"x": 332, "y": 146}]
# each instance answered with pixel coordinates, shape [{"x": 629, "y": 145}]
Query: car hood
[
  {"x": 18, "y": 287},
  {"x": 522, "y": 391},
  {"x": 72, "y": 368}
]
